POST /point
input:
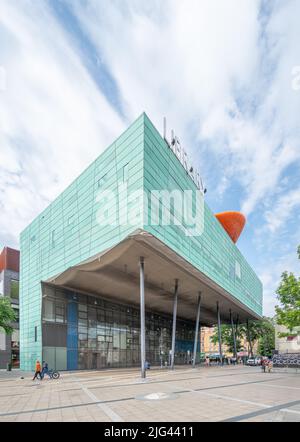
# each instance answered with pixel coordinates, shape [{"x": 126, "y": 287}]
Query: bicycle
[{"x": 53, "y": 374}]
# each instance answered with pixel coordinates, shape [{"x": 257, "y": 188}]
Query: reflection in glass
[{"x": 109, "y": 333}]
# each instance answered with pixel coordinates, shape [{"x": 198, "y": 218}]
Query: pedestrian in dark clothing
[
  {"x": 264, "y": 364},
  {"x": 45, "y": 370},
  {"x": 38, "y": 370}
]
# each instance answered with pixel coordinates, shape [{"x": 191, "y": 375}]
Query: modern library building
[{"x": 125, "y": 264}]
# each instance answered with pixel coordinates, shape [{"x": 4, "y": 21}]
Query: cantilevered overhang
[{"x": 114, "y": 274}]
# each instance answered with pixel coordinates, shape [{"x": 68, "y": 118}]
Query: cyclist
[{"x": 45, "y": 370}]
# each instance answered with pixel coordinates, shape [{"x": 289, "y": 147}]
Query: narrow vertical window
[
  {"x": 238, "y": 269},
  {"x": 35, "y": 334},
  {"x": 101, "y": 181},
  {"x": 53, "y": 238},
  {"x": 125, "y": 172}
]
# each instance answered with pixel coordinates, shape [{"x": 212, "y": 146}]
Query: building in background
[
  {"x": 207, "y": 346},
  {"x": 288, "y": 344},
  {"x": 82, "y": 278},
  {"x": 9, "y": 286}
]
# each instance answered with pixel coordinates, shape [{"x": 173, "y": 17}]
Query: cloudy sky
[{"x": 75, "y": 73}]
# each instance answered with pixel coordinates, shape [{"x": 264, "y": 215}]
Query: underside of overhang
[{"x": 114, "y": 274}]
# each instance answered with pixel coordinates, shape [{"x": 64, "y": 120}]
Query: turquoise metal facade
[{"x": 67, "y": 232}]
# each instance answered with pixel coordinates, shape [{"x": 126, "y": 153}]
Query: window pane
[
  {"x": 49, "y": 356},
  {"x": 61, "y": 358},
  {"x": 49, "y": 310},
  {"x": 125, "y": 172},
  {"x": 60, "y": 319},
  {"x": 16, "y": 311},
  {"x": 82, "y": 322},
  {"x": 14, "y": 289},
  {"x": 60, "y": 311},
  {"x": 82, "y": 307},
  {"x": 102, "y": 180},
  {"x": 238, "y": 269}
]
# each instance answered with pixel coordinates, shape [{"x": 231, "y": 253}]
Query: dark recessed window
[
  {"x": 101, "y": 181},
  {"x": 14, "y": 289},
  {"x": 125, "y": 172}
]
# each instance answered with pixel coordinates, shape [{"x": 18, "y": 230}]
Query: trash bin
[{"x": 8, "y": 366}]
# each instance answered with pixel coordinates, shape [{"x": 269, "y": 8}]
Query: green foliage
[
  {"x": 288, "y": 294},
  {"x": 262, "y": 331},
  {"x": 7, "y": 315},
  {"x": 227, "y": 338},
  {"x": 266, "y": 342}
]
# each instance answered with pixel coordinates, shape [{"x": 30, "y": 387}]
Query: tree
[
  {"x": 7, "y": 315},
  {"x": 262, "y": 331},
  {"x": 266, "y": 342},
  {"x": 227, "y": 339},
  {"x": 288, "y": 294}
]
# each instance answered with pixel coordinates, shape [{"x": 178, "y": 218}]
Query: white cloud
[
  {"x": 53, "y": 119},
  {"x": 180, "y": 61},
  {"x": 271, "y": 277},
  {"x": 195, "y": 63},
  {"x": 282, "y": 210}
]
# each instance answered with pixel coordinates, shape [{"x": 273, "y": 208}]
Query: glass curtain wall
[{"x": 106, "y": 334}]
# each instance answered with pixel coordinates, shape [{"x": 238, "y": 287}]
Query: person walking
[
  {"x": 45, "y": 370},
  {"x": 270, "y": 366},
  {"x": 264, "y": 364},
  {"x": 38, "y": 370}
]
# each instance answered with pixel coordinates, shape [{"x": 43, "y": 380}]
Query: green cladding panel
[{"x": 67, "y": 232}]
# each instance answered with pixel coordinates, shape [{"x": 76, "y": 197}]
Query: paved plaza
[{"x": 202, "y": 394}]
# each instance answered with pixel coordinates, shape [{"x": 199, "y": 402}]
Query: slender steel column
[
  {"x": 200, "y": 347},
  {"x": 197, "y": 330},
  {"x": 249, "y": 339},
  {"x": 174, "y": 323},
  {"x": 237, "y": 325},
  {"x": 233, "y": 335},
  {"x": 142, "y": 312},
  {"x": 219, "y": 333}
]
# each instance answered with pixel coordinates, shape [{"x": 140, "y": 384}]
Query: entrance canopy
[{"x": 114, "y": 274}]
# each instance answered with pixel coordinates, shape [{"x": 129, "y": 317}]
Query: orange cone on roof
[{"x": 233, "y": 223}]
